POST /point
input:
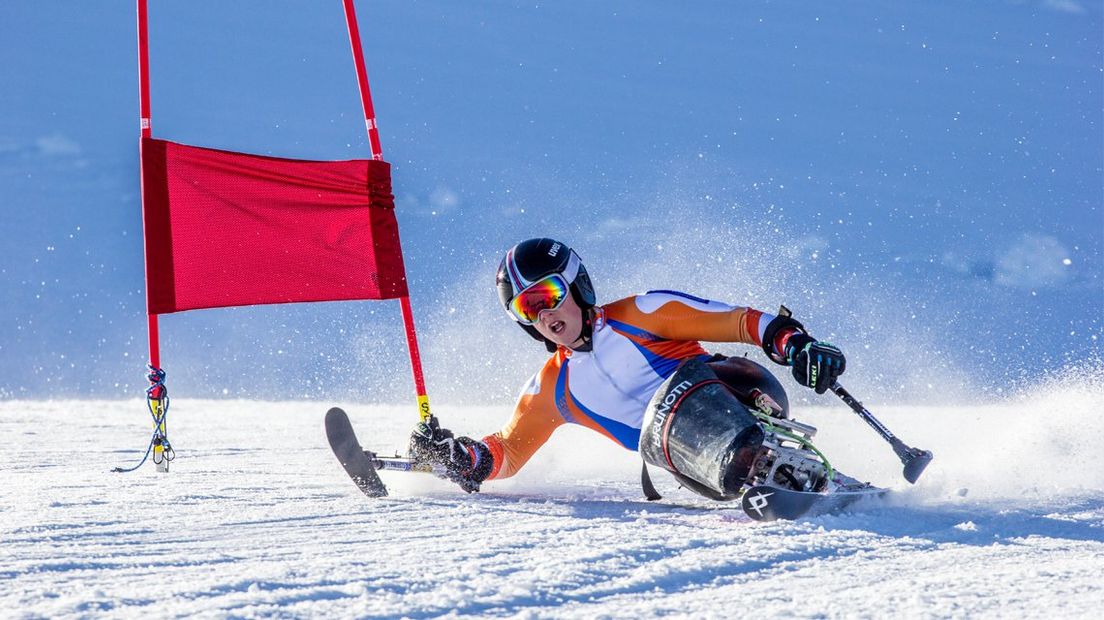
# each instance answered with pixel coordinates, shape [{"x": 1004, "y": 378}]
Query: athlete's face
[{"x": 564, "y": 325}]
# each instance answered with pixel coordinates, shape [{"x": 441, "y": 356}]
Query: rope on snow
[{"x": 157, "y": 400}]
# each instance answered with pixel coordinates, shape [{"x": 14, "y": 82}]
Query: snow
[
  {"x": 917, "y": 181},
  {"x": 257, "y": 519}
]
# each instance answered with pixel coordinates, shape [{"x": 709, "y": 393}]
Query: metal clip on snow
[
  {"x": 915, "y": 460},
  {"x": 157, "y": 400}
]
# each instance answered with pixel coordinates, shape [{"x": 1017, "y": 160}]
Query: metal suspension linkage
[{"x": 789, "y": 456}]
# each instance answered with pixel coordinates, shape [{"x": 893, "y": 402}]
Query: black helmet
[{"x": 533, "y": 259}]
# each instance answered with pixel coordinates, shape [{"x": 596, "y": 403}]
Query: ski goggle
[{"x": 547, "y": 293}]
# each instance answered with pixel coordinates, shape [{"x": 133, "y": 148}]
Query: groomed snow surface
[{"x": 257, "y": 519}]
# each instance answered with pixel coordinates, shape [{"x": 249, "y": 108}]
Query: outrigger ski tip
[
  {"x": 363, "y": 465},
  {"x": 360, "y": 465},
  {"x": 915, "y": 460}
]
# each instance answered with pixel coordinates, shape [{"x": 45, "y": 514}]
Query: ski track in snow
[{"x": 257, "y": 519}]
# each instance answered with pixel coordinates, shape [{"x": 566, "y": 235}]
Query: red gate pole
[
  {"x": 362, "y": 80},
  {"x": 377, "y": 153},
  {"x": 154, "y": 395},
  {"x": 147, "y": 132}
]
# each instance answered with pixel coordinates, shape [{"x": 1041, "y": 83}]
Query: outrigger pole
[{"x": 915, "y": 460}]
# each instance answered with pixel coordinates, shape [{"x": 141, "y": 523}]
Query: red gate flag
[{"x": 231, "y": 229}]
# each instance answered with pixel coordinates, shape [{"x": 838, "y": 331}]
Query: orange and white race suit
[{"x": 637, "y": 343}]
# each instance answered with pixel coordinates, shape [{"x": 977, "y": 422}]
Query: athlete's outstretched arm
[
  {"x": 534, "y": 419},
  {"x": 678, "y": 316}
]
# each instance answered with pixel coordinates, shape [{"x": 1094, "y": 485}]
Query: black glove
[
  {"x": 465, "y": 461},
  {"x": 815, "y": 364}
]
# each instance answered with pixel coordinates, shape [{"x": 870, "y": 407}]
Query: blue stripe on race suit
[
  {"x": 680, "y": 294},
  {"x": 663, "y": 366},
  {"x": 561, "y": 394},
  {"x": 633, "y": 330},
  {"x": 622, "y": 433}
]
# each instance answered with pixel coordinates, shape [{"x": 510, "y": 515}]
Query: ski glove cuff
[
  {"x": 815, "y": 364},
  {"x": 774, "y": 336},
  {"x": 463, "y": 460}
]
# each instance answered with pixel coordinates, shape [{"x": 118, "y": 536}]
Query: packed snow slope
[{"x": 257, "y": 519}]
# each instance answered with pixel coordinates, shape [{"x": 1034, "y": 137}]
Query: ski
[
  {"x": 766, "y": 502},
  {"x": 761, "y": 502},
  {"x": 360, "y": 465}
]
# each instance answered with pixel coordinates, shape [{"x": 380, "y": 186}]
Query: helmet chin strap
[{"x": 586, "y": 332}]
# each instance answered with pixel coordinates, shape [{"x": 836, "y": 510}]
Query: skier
[{"x": 622, "y": 369}]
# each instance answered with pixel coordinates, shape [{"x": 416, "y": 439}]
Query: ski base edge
[{"x": 771, "y": 503}]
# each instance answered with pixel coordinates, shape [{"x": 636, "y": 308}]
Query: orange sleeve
[
  {"x": 534, "y": 419},
  {"x": 682, "y": 317}
]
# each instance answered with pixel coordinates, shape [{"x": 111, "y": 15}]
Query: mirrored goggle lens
[{"x": 546, "y": 294}]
